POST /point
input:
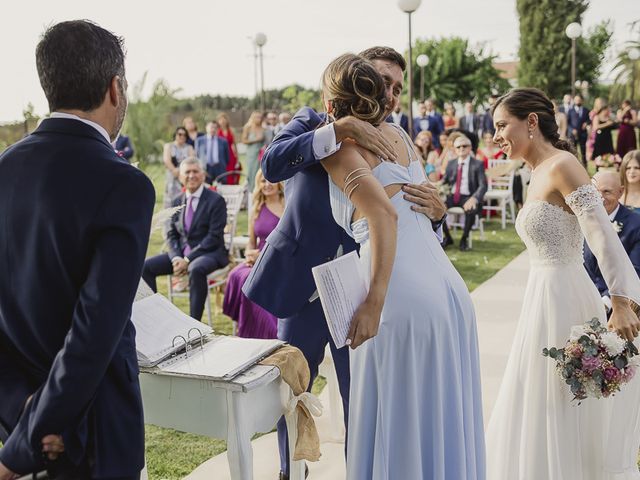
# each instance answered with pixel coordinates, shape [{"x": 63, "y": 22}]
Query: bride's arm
[
  {"x": 572, "y": 181},
  {"x": 351, "y": 172}
]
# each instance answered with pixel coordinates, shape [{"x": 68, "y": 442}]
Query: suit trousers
[
  {"x": 308, "y": 331},
  {"x": 469, "y": 217},
  {"x": 198, "y": 270}
]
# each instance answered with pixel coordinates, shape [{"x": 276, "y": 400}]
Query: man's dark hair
[
  {"x": 76, "y": 62},
  {"x": 384, "y": 53}
]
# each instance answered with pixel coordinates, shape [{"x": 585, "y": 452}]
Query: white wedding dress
[{"x": 536, "y": 431}]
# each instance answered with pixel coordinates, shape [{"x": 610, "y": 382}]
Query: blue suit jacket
[
  {"x": 123, "y": 147},
  {"x": 436, "y": 127},
  {"x": 404, "y": 122},
  {"x": 306, "y": 235},
  {"x": 223, "y": 151},
  {"x": 206, "y": 235},
  {"x": 576, "y": 121},
  {"x": 630, "y": 238},
  {"x": 75, "y": 221}
]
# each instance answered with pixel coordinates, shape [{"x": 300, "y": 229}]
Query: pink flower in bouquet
[
  {"x": 589, "y": 364},
  {"x": 629, "y": 373},
  {"x": 573, "y": 350},
  {"x": 612, "y": 374}
]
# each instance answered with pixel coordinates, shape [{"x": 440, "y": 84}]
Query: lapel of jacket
[
  {"x": 202, "y": 205},
  {"x": 621, "y": 218}
]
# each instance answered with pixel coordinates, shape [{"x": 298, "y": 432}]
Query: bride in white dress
[{"x": 536, "y": 431}]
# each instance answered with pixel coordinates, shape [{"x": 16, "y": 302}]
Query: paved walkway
[{"x": 497, "y": 303}]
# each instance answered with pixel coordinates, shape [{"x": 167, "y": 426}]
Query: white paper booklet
[
  {"x": 342, "y": 288},
  {"x": 221, "y": 357},
  {"x": 162, "y": 329}
]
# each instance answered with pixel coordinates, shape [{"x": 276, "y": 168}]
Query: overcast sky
[{"x": 206, "y": 49}]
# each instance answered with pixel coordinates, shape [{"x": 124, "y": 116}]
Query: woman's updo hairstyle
[
  {"x": 355, "y": 87},
  {"x": 520, "y": 102}
]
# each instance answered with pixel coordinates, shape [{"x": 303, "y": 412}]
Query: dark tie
[{"x": 456, "y": 195}]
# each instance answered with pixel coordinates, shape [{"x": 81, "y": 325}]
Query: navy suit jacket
[
  {"x": 477, "y": 177},
  {"x": 630, "y": 238},
  {"x": 576, "y": 121},
  {"x": 404, "y": 122},
  {"x": 436, "y": 127},
  {"x": 487, "y": 122},
  {"x": 75, "y": 221},
  {"x": 206, "y": 235},
  {"x": 223, "y": 151},
  {"x": 123, "y": 147},
  {"x": 306, "y": 235}
]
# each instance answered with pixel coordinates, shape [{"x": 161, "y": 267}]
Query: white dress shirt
[
  {"x": 464, "y": 182},
  {"x": 98, "y": 127},
  {"x": 397, "y": 117},
  {"x": 212, "y": 150},
  {"x": 324, "y": 142}
]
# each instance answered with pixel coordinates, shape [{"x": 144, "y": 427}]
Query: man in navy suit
[
  {"x": 195, "y": 238},
  {"x": 469, "y": 184},
  {"x": 429, "y": 119},
  {"x": 578, "y": 122},
  {"x": 213, "y": 152},
  {"x": 624, "y": 221},
  {"x": 399, "y": 118},
  {"x": 122, "y": 146},
  {"x": 75, "y": 227},
  {"x": 307, "y": 235},
  {"x": 487, "y": 118}
]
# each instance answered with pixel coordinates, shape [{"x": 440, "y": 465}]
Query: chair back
[
  {"x": 233, "y": 196},
  {"x": 500, "y": 175}
]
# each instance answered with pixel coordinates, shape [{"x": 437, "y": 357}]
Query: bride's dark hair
[
  {"x": 355, "y": 87},
  {"x": 520, "y": 102}
]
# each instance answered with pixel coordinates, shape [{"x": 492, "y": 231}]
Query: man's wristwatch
[{"x": 438, "y": 224}]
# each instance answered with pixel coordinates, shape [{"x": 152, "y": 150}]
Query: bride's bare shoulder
[{"x": 567, "y": 173}]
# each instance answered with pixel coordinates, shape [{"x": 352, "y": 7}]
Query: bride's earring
[{"x": 530, "y": 134}]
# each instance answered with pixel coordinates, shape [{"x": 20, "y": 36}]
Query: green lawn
[{"x": 173, "y": 455}]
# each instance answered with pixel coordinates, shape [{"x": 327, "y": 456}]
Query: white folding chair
[{"x": 500, "y": 190}]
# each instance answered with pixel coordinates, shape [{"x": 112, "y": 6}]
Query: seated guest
[
  {"x": 625, "y": 222},
  {"x": 630, "y": 178},
  {"x": 212, "y": 152},
  {"x": 428, "y": 155},
  {"x": 253, "y": 320},
  {"x": 122, "y": 146},
  {"x": 469, "y": 184},
  {"x": 195, "y": 238}
]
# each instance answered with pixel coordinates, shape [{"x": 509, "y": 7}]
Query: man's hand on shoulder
[
  {"x": 426, "y": 200},
  {"x": 365, "y": 135}
]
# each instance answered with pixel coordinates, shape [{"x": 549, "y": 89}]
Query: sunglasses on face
[
  {"x": 181, "y": 134},
  {"x": 463, "y": 146}
]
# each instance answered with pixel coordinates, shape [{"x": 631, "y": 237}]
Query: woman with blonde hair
[
  {"x": 428, "y": 155},
  {"x": 415, "y": 406},
  {"x": 226, "y": 132},
  {"x": 267, "y": 208},
  {"x": 253, "y": 137},
  {"x": 630, "y": 177}
]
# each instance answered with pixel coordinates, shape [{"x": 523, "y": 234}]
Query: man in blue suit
[
  {"x": 429, "y": 119},
  {"x": 213, "y": 152},
  {"x": 75, "y": 227},
  {"x": 122, "y": 146},
  {"x": 195, "y": 238},
  {"x": 578, "y": 122},
  {"x": 307, "y": 235},
  {"x": 399, "y": 118},
  {"x": 625, "y": 222}
]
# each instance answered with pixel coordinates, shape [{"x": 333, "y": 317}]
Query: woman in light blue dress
[{"x": 415, "y": 409}]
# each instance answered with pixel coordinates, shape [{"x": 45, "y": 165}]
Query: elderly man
[
  {"x": 625, "y": 222},
  {"x": 195, "y": 238},
  {"x": 75, "y": 223},
  {"x": 213, "y": 152},
  {"x": 469, "y": 184}
]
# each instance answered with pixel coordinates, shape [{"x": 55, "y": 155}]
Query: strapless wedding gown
[
  {"x": 536, "y": 431},
  {"x": 415, "y": 406}
]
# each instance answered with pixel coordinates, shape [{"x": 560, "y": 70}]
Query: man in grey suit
[
  {"x": 470, "y": 121},
  {"x": 213, "y": 152}
]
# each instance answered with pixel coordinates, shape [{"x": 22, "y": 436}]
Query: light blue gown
[{"x": 415, "y": 408}]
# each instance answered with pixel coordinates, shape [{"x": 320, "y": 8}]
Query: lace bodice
[{"x": 553, "y": 235}]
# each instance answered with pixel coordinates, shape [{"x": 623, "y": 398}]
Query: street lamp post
[
  {"x": 422, "y": 61},
  {"x": 634, "y": 55},
  {"x": 408, "y": 7},
  {"x": 573, "y": 31},
  {"x": 260, "y": 41}
]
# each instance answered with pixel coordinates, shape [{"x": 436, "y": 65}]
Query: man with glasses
[{"x": 468, "y": 186}]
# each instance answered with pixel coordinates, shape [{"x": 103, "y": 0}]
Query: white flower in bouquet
[
  {"x": 613, "y": 343},
  {"x": 578, "y": 331},
  {"x": 634, "y": 361}
]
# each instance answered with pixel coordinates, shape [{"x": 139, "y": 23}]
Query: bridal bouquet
[{"x": 595, "y": 362}]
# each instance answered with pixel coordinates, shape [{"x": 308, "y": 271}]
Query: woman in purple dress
[
  {"x": 253, "y": 320},
  {"x": 627, "y": 133}
]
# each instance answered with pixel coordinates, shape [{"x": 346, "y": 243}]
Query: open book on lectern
[{"x": 163, "y": 330}]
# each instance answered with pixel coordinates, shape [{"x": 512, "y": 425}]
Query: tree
[
  {"x": 456, "y": 71},
  {"x": 545, "y": 49}
]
